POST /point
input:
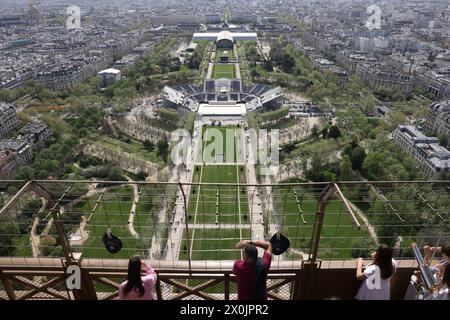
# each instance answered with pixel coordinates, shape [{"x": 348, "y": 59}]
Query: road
[
  {"x": 136, "y": 196},
  {"x": 176, "y": 228},
  {"x": 34, "y": 237},
  {"x": 256, "y": 210}
]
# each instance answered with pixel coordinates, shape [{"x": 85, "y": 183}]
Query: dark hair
[
  {"x": 445, "y": 249},
  {"x": 446, "y": 276},
  {"x": 251, "y": 252},
  {"x": 383, "y": 259},
  {"x": 134, "y": 276},
  {"x": 445, "y": 282}
]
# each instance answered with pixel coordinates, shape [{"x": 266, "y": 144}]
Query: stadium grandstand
[{"x": 222, "y": 90}]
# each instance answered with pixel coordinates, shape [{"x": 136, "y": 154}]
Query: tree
[
  {"x": 115, "y": 174},
  {"x": 287, "y": 62},
  {"x": 24, "y": 224},
  {"x": 395, "y": 118},
  {"x": 163, "y": 149},
  {"x": 374, "y": 165},
  {"x": 26, "y": 173},
  {"x": 325, "y": 132},
  {"x": 443, "y": 139},
  {"x": 149, "y": 145},
  {"x": 254, "y": 73},
  {"x": 268, "y": 65},
  {"x": 326, "y": 176},
  {"x": 8, "y": 232},
  {"x": 357, "y": 157},
  {"x": 31, "y": 208},
  {"x": 47, "y": 244},
  {"x": 315, "y": 131},
  {"x": 334, "y": 132},
  {"x": 346, "y": 172},
  {"x": 369, "y": 102},
  {"x": 316, "y": 167}
]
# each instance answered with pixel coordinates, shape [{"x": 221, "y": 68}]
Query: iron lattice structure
[
  {"x": 191, "y": 229},
  {"x": 202, "y": 221}
]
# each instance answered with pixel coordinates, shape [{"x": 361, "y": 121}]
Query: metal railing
[
  {"x": 202, "y": 221},
  {"x": 41, "y": 279},
  {"x": 196, "y": 225}
]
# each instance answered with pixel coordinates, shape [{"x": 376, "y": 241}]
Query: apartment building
[
  {"x": 377, "y": 76},
  {"x": 431, "y": 158},
  {"x": 36, "y": 133},
  {"x": 18, "y": 152},
  {"x": 438, "y": 118},
  {"x": 8, "y": 163},
  {"x": 8, "y": 119},
  {"x": 437, "y": 82}
]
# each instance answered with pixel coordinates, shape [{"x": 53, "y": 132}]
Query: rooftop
[{"x": 110, "y": 70}]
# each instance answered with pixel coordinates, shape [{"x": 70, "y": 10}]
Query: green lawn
[
  {"x": 23, "y": 246},
  {"x": 230, "y": 137},
  {"x": 338, "y": 234},
  {"x": 204, "y": 203},
  {"x": 135, "y": 148},
  {"x": 214, "y": 244},
  {"x": 224, "y": 53},
  {"x": 217, "y": 243},
  {"x": 223, "y": 71},
  {"x": 113, "y": 211}
]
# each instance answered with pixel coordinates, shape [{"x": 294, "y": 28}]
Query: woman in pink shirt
[{"x": 138, "y": 287}]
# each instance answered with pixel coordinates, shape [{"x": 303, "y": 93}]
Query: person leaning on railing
[
  {"x": 251, "y": 272},
  {"x": 377, "y": 275},
  {"x": 138, "y": 287},
  {"x": 441, "y": 291},
  {"x": 444, "y": 250}
]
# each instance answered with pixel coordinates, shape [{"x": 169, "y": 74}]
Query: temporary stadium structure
[
  {"x": 225, "y": 39},
  {"x": 221, "y": 91}
]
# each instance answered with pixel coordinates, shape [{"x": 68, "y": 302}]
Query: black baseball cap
[
  {"x": 279, "y": 243},
  {"x": 112, "y": 243}
]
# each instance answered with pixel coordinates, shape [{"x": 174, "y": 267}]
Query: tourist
[
  {"x": 444, "y": 250},
  {"x": 377, "y": 275},
  {"x": 251, "y": 272},
  {"x": 138, "y": 287},
  {"x": 442, "y": 290}
]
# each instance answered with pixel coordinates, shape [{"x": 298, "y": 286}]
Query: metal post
[
  {"x": 295, "y": 292},
  {"x": 62, "y": 237},
  {"x": 320, "y": 215},
  {"x": 186, "y": 218},
  {"x": 227, "y": 286},
  {"x": 8, "y": 287},
  {"x": 158, "y": 289},
  {"x": 55, "y": 204},
  {"x": 87, "y": 290}
]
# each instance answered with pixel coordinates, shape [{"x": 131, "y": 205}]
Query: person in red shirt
[{"x": 251, "y": 273}]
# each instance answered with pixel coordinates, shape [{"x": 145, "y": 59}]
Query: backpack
[{"x": 259, "y": 283}]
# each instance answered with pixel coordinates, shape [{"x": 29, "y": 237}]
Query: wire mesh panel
[{"x": 203, "y": 221}]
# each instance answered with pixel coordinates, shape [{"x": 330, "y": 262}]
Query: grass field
[
  {"x": 217, "y": 243},
  {"x": 338, "y": 232},
  {"x": 224, "y": 151},
  {"x": 113, "y": 211},
  {"x": 216, "y": 210},
  {"x": 203, "y": 203},
  {"x": 223, "y": 71},
  {"x": 214, "y": 244},
  {"x": 224, "y": 53}
]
